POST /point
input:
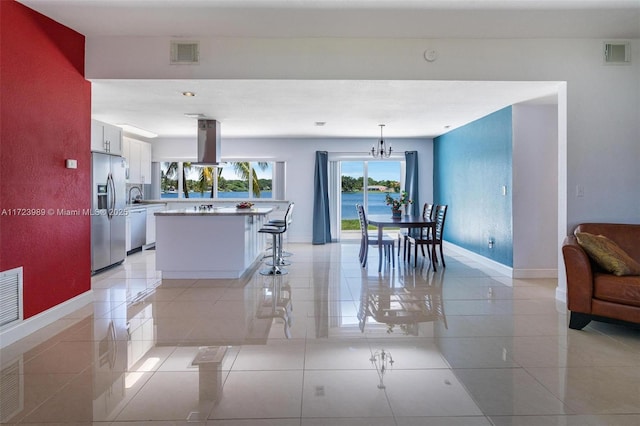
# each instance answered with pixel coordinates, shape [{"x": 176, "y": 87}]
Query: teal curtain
[
  {"x": 411, "y": 180},
  {"x": 321, "y": 221}
]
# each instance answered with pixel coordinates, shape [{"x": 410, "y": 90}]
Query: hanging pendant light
[{"x": 381, "y": 150}]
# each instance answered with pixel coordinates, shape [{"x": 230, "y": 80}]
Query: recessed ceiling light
[
  {"x": 194, "y": 115},
  {"x": 137, "y": 131},
  {"x": 320, "y": 123},
  {"x": 447, "y": 126},
  {"x": 188, "y": 94}
]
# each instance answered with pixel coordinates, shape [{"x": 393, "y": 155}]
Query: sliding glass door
[{"x": 366, "y": 183}]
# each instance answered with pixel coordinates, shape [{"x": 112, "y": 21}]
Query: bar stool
[
  {"x": 286, "y": 221},
  {"x": 281, "y": 222},
  {"x": 276, "y": 257},
  {"x": 275, "y": 268}
]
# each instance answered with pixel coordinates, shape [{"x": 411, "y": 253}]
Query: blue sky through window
[{"x": 378, "y": 170}]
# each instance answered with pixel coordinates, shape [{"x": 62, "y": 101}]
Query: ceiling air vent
[
  {"x": 617, "y": 52},
  {"x": 185, "y": 52}
]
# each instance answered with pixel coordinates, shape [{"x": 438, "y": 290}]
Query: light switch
[{"x": 72, "y": 164}]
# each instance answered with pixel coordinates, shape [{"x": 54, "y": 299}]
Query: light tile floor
[{"x": 469, "y": 347}]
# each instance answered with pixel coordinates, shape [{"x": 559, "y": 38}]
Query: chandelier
[{"x": 381, "y": 150}]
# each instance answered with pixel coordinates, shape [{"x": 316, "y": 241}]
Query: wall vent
[
  {"x": 617, "y": 52},
  {"x": 185, "y": 52},
  {"x": 10, "y": 296}
]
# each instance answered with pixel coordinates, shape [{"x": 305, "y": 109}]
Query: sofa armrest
[{"x": 579, "y": 276}]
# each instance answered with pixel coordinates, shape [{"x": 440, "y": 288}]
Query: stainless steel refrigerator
[{"x": 108, "y": 210}]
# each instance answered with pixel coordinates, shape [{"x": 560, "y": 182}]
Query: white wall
[
  {"x": 299, "y": 155},
  {"x": 535, "y": 190}
]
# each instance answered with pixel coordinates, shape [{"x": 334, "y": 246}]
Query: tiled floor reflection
[{"x": 469, "y": 347}]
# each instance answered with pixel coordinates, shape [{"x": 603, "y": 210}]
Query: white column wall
[{"x": 535, "y": 190}]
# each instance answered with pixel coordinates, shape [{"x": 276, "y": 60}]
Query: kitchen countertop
[
  {"x": 141, "y": 206},
  {"x": 217, "y": 211}
]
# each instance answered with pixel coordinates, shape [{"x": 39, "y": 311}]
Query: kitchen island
[{"x": 208, "y": 242}]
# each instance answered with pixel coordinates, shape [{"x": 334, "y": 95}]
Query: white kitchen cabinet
[
  {"x": 106, "y": 137},
  {"x": 134, "y": 161},
  {"x": 145, "y": 163},
  {"x": 151, "y": 223},
  {"x": 138, "y": 155},
  {"x": 126, "y": 142}
]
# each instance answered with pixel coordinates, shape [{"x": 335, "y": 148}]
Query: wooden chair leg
[
  {"x": 442, "y": 255},
  {"x": 365, "y": 255},
  {"x": 407, "y": 252},
  {"x": 393, "y": 255}
]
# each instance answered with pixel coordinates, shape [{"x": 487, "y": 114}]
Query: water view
[{"x": 376, "y": 203}]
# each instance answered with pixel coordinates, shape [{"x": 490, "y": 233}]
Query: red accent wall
[{"x": 45, "y": 118}]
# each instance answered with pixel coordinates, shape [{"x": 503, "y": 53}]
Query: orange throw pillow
[{"x": 606, "y": 253}]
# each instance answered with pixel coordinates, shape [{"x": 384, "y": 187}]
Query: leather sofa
[{"x": 592, "y": 292}]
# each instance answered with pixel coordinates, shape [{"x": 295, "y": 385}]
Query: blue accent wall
[{"x": 472, "y": 164}]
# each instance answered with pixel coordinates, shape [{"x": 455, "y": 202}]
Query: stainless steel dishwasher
[{"x": 138, "y": 220}]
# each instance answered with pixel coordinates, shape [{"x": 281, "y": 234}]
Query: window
[
  {"x": 229, "y": 180},
  {"x": 366, "y": 183}
]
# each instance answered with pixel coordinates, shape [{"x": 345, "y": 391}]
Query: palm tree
[
  {"x": 172, "y": 173},
  {"x": 205, "y": 179},
  {"x": 244, "y": 171}
]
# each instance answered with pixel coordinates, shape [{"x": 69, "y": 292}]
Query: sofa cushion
[
  {"x": 607, "y": 254},
  {"x": 623, "y": 290}
]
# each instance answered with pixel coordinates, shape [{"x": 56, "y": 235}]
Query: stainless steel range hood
[{"x": 208, "y": 142}]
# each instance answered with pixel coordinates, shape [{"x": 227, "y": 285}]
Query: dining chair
[
  {"x": 429, "y": 239},
  {"x": 403, "y": 234},
  {"x": 370, "y": 238}
]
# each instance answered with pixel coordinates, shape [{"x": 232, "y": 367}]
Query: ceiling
[{"x": 290, "y": 108}]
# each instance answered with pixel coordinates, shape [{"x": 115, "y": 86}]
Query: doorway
[{"x": 363, "y": 182}]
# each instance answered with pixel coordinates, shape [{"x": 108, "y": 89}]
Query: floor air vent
[
  {"x": 185, "y": 52},
  {"x": 11, "y": 390},
  {"x": 10, "y": 296}
]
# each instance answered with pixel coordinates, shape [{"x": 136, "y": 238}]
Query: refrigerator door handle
[
  {"x": 113, "y": 199},
  {"x": 110, "y": 195}
]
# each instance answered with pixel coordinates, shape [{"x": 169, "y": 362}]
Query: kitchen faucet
[{"x": 138, "y": 197}]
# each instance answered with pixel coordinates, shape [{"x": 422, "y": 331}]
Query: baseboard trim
[
  {"x": 535, "y": 273},
  {"x": 484, "y": 261},
  {"x": 503, "y": 269},
  {"x": 24, "y": 328}
]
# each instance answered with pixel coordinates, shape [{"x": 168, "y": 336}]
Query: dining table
[{"x": 382, "y": 221}]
